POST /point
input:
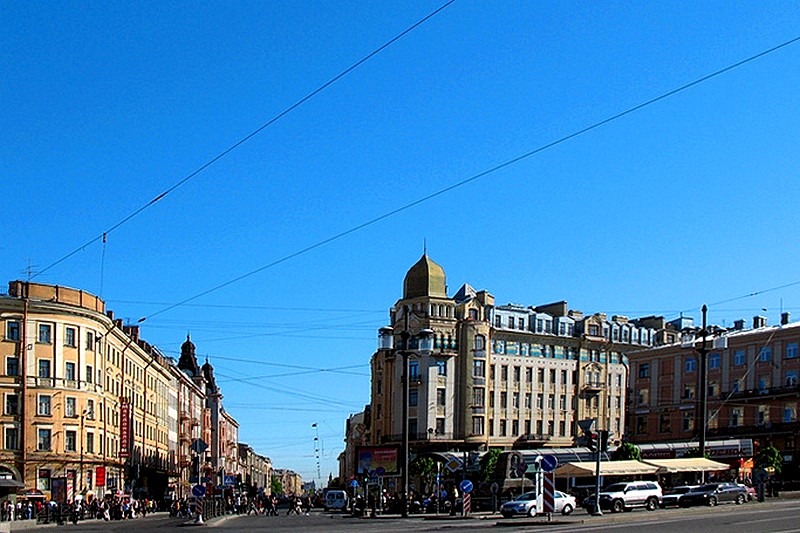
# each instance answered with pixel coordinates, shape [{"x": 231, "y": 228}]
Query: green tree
[
  {"x": 275, "y": 486},
  {"x": 423, "y": 468},
  {"x": 769, "y": 457},
  {"x": 489, "y": 464},
  {"x": 627, "y": 451}
]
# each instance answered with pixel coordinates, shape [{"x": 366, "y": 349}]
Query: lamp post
[
  {"x": 83, "y": 478},
  {"x": 386, "y": 342},
  {"x": 689, "y": 341}
]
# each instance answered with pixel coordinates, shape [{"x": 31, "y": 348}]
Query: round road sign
[
  {"x": 549, "y": 463},
  {"x": 198, "y": 491},
  {"x": 466, "y": 485}
]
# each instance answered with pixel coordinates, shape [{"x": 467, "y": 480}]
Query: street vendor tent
[
  {"x": 693, "y": 464},
  {"x": 607, "y": 468}
]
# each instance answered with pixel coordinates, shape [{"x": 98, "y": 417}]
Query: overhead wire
[
  {"x": 477, "y": 176},
  {"x": 250, "y": 135}
]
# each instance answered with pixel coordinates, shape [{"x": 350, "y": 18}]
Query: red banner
[
  {"x": 124, "y": 429},
  {"x": 100, "y": 476}
]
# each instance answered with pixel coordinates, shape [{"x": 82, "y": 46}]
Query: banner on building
[
  {"x": 124, "y": 428},
  {"x": 380, "y": 460}
]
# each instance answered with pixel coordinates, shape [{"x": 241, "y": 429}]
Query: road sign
[
  {"x": 354, "y": 484},
  {"x": 549, "y": 463},
  {"x": 198, "y": 446},
  {"x": 467, "y": 504},
  {"x": 230, "y": 480},
  {"x": 466, "y": 486},
  {"x": 198, "y": 491},
  {"x": 453, "y": 464},
  {"x": 548, "y": 496}
]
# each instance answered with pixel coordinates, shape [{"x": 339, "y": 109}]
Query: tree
[
  {"x": 769, "y": 457},
  {"x": 489, "y": 464},
  {"x": 423, "y": 468},
  {"x": 275, "y": 486},
  {"x": 627, "y": 451}
]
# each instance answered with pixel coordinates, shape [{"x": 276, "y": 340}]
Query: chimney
[
  {"x": 785, "y": 317},
  {"x": 759, "y": 322},
  {"x": 738, "y": 325}
]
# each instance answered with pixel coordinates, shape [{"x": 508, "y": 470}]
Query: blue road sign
[
  {"x": 354, "y": 483},
  {"x": 549, "y": 463},
  {"x": 230, "y": 480},
  {"x": 198, "y": 491},
  {"x": 466, "y": 485}
]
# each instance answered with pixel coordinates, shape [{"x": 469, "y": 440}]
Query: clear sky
[{"x": 105, "y": 105}]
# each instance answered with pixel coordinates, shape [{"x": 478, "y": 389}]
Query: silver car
[{"x": 522, "y": 505}]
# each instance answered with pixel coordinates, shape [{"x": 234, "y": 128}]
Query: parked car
[
  {"x": 713, "y": 494},
  {"x": 335, "y": 500},
  {"x": 564, "y": 503},
  {"x": 627, "y": 496},
  {"x": 672, "y": 497},
  {"x": 524, "y": 505}
]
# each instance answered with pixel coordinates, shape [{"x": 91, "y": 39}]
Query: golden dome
[{"x": 425, "y": 278}]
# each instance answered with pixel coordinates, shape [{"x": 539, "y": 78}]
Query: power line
[
  {"x": 257, "y": 307},
  {"x": 477, "y": 176},
  {"x": 250, "y": 135}
]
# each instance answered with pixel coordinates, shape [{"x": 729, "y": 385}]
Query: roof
[
  {"x": 607, "y": 468},
  {"x": 425, "y": 278},
  {"x": 694, "y": 464}
]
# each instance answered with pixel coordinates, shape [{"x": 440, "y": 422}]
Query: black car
[
  {"x": 673, "y": 496},
  {"x": 713, "y": 494}
]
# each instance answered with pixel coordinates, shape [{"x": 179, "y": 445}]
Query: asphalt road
[{"x": 775, "y": 516}]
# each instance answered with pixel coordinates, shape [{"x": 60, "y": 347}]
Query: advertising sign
[
  {"x": 124, "y": 428},
  {"x": 373, "y": 458},
  {"x": 100, "y": 476}
]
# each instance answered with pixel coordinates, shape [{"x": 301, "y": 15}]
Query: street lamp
[
  {"x": 83, "y": 479},
  {"x": 424, "y": 337},
  {"x": 688, "y": 341}
]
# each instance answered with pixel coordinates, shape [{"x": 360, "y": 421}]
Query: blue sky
[{"x": 106, "y": 105}]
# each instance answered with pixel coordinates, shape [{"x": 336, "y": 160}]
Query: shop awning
[
  {"x": 607, "y": 468},
  {"x": 694, "y": 464},
  {"x": 8, "y": 483}
]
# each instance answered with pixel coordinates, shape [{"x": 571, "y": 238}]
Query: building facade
[
  {"x": 505, "y": 376},
  {"x": 752, "y": 380}
]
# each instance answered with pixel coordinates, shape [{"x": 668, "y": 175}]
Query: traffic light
[
  {"x": 603, "y": 440},
  {"x": 591, "y": 440}
]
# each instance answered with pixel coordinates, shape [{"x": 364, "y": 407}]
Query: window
[
  {"x": 44, "y": 368},
  {"x": 441, "y": 368},
  {"x": 89, "y": 442},
  {"x": 514, "y": 428},
  {"x": 12, "y": 404},
  {"x": 735, "y": 386},
  {"x": 641, "y": 425},
  {"x": 498, "y": 321},
  {"x": 503, "y": 400},
  {"x": 528, "y": 400},
  {"x": 441, "y": 397},
  {"x": 689, "y": 365},
  {"x": 90, "y": 374},
  {"x": 477, "y": 425},
  {"x": 45, "y": 333},
  {"x": 664, "y": 423},
  {"x": 688, "y": 421},
  {"x": 738, "y": 358},
  {"x": 644, "y": 370},
  {"x": 478, "y": 368},
  {"x": 12, "y": 366},
  {"x": 540, "y": 401},
  {"x": 736, "y": 417},
  {"x": 69, "y": 408},
  {"x": 688, "y": 392},
  {"x": 789, "y": 412},
  {"x": 43, "y": 407},
  {"x": 503, "y": 373},
  {"x": 12, "y": 330},
  {"x": 791, "y": 350},
  {"x": 765, "y": 355},
  {"x": 43, "y": 441},
  {"x": 551, "y": 401},
  {"x": 713, "y": 360},
  {"x": 479, "y": 343},
  {"x": 12, "y": 439},
  {"x": 643, "y": 396},
  {"x": 562, "y": 402},
  {"x": 440, "y": 426},
  {"x": 516, "y": 374},
  {"x": 413, "y": 397},
  {"x": 791, "y": 378},
  {"x": 69, "y": 337},
  {"x": 412, "y": 427},
  {"x": 473, "y": 314},
  {"x": 515, "y": 400},
  {"x": 529, "y": 375},
  {"x": 89, "y": 340},
  {"x": 511, "y": 322},
  {"x": 503, "y": 428},
  {"x": 478, "y": 395},
  {"x": 413, "y": 370},
  {"x": 69, "y": 371},
  {"x": 69, "y": 440}
]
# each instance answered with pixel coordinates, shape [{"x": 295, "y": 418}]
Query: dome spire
[{"x": 425, "y": 278}]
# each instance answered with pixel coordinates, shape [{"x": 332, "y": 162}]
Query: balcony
[
  {"x": 761, "y": 394},
  {"x": 593, "y": 386}
]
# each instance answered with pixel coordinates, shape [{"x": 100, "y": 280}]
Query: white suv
[{"x": 626, "y": 496}]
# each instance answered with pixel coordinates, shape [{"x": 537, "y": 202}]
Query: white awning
[
  {"x": 693, "y": 464},
  {"x": 607, "y": 468}
]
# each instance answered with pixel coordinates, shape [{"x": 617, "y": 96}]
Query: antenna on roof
[{"x": 424, "y": 246}]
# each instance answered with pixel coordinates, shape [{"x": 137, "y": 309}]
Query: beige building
[
  {"x": 255, "y": 469},
  {"x": 85, "y": 400},
  {"x": 291, "y": 482},
  {"x": 505, "y": 376}
]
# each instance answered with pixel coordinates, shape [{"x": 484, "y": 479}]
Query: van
[{"x": 336, "y": 499}]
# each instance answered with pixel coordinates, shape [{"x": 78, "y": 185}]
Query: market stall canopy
[
  {"x": 694, "y": 464},
  {"x": 8, "y": 483},
  {"x": 607, "y": 468}
]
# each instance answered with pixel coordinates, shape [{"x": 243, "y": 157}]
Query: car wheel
[
  {"x": 566, "y": 510},
  {"x": 651, "y": 504},
  {"x": 618, "y": 506},
  {"x": 740, "y": 499},
  {"x": 712, "y": 501},
  {"x": 532, "y": 512}
]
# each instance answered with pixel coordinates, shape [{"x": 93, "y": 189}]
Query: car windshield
[
  {"x": 616, "y": 487},
  {"x": 525, "y": 497},
  {"x": 680, "y": 490},
  {"x": 705, "y": 488}
]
